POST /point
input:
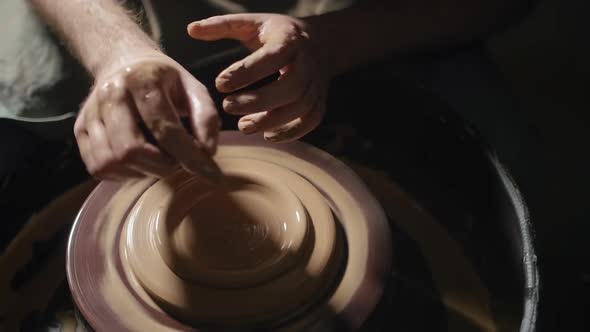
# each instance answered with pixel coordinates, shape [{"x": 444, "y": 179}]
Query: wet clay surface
[{"x": 294, "y": 241}]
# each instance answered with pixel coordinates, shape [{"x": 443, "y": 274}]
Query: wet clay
[
  {"x": 262, "y": 250},
  {"x": 250, "y": 216},
  {"x": 237, "y": 232}
]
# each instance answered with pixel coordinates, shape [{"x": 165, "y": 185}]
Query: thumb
[
  {"x": 242, "y": 27},
  {"x": 204, "y": 118}
]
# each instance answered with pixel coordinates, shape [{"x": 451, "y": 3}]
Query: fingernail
[
  {"x": 280, "y": 136},
  {"x": 234, "y": 103},
  {"x": 272, "y": 138},
  {"x": 223, "y": 84},
  {"x": 245, "y": 98},
  {"x": 229, "y": 104},
  {"x": 247, "y": 127},
  {"x": 192, "y": 25}
]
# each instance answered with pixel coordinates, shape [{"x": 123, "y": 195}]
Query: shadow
[
  {"x": 442, "y": 161},
  {"x": 32, "y": 173}
]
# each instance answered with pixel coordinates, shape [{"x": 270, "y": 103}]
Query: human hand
[
  {"x": 153, "y": 91},
  {"x": 287, "y": 108}
]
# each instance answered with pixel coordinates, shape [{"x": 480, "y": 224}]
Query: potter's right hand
[{"x": 154, "y": 91}]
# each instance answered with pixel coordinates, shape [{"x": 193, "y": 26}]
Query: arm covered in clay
[{"x": 134, "y": 82}]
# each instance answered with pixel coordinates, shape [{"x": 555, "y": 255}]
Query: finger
[
  {"x": 265, "y": 121},
  {"x": 85, "y": 150},
  {"x": 242, "y": 27},
  {"x": 120, "y": 125},
  {"x": 289, "y": 88},
  {"x": 88, "y": 116},
  {"x": 204, "y": 117},
  {"x": 79, "y": 125},
  {"x": 265, "y": 61},
  {"x": 148, "y": 85},
  {"x": 299, "y": 127},
  {"x": 81, "y": 135},
  {"x": 127, "y": 142},
  {"x": 105, "y": 165}
]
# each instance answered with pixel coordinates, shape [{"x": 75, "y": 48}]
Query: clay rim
[
  {"x": 364, "y": 298},
  {"x": 322, "y": 219},
  {"x": 223, "y": 278},
  {"x": 368, "y": 294}
]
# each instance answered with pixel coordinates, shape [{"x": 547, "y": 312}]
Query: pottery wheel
[{"x": 290, "y": 240}]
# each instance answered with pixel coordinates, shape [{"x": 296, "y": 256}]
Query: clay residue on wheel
[
  {"x": 114, "y": 290},
  {"x": 321, "y": 284}
]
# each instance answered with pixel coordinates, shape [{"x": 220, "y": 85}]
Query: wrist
[
  {"x": 122, "y": 48},
  {"x": 118, "y": 60}
]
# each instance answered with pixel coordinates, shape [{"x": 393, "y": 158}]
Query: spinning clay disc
[{"x": 289, "y": 240}]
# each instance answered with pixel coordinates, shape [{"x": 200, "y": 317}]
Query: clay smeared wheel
[
  {"x": 236, "y": 251},
  {"x": 291, "y": 240}
]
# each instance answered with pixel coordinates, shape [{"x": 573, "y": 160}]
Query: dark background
[{"x": 545, "y": 61}]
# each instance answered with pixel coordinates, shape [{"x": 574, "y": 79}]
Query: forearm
[
  {"x": 360, "y": 34},
  {"x": 100, "y": 33}
]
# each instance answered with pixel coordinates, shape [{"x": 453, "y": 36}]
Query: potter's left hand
[{"x": 287, "y": 108}]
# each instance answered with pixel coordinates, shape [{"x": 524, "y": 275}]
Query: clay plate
[{"x": 310, "y": 249}]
